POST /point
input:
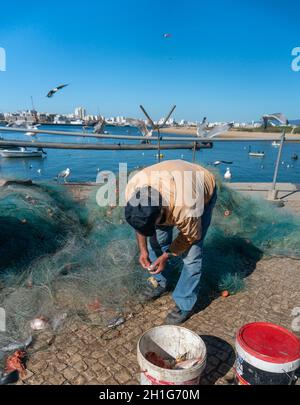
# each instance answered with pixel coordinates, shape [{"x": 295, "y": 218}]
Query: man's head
[{"x": 143, "y": 210}]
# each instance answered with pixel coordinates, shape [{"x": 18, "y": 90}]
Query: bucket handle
[{"x": 294, "y": 378}]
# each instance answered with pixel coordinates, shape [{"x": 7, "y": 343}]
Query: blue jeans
[{"x": 187, "y": 289}]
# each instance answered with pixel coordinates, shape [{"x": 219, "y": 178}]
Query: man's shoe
[
  {"x": 153, "y": 290},
  {"x": 176, "y": 316}
]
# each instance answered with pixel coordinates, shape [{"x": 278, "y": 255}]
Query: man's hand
[
  {"x": 159, "y": 265},
  {"x": 144, "y": 260},
  {"x": 144, "y": 255}
]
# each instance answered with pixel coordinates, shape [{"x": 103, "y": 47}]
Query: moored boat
[
  {"x": 257, "y": 154},
  {"x": 20, "y": 153}
]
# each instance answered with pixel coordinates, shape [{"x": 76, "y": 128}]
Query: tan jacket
[{"x": 178, "y": 212}]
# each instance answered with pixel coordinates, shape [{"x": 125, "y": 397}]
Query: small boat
[
  {"x": 226, "y": 162},
  {"x": 275, "y": 144},
  {"x": 159, "y": 156},
  {"x": 20, "y": 153},
  {"x": 77, "y": 122},
  {"x": 255, "y": 154}
]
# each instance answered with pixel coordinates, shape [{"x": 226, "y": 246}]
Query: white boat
[
  {"x": 20, "y": 153},
  {"x": 159, "y": 156},
  {"x": 77, "y": 122},
  {"x": 257, "y": 154},
  {"x": 275, "y": 144}
]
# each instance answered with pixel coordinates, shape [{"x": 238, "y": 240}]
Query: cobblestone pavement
[
  {"x": 80, "y": 355},
  {"x": 83, "y": 355}
]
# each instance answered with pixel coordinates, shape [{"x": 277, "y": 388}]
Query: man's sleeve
[{"x": 190, "y": 231}]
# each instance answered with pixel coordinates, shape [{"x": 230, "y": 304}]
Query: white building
[
  {"x": 171, "y": 122},
  {"x": 60, "y": 119},
  {"x": 80, "y": 112},
  {"x": 120, "y": 120}
]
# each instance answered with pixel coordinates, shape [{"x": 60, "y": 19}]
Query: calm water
[{"x": 84, "y": 164}]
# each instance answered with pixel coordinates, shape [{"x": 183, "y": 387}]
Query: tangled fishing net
[{"x": 60, "y": 257}]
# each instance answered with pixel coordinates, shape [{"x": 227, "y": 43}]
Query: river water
[{"x": 84, "y": 165}]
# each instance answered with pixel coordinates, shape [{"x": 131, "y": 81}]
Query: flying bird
[
  {"x": 201, "y": 127},
  {"x": 141, "y": 126},
  {"x": 30, "y": 130},
  {"x": 99, "y": 127},
  {"x": 202, "y": 132},
  {"x": 17, "y": 124},
  {"x": 55, "y": 90},
  {"x": 275, "y": 117},
  {"x": 64, "y": 174},
  {"x": 22, "y": 124}
]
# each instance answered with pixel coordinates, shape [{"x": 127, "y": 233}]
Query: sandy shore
[{"x": 191, "y": 131}]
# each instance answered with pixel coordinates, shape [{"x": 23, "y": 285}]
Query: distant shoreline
[{"x": 190, "y": 131}]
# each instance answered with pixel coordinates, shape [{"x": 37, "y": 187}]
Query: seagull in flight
[
  {"x": 279, "y": 117},
  {"x": 55, "y": 90},
  {"x": 64, "y": 175},
  {"x": 24, "y": 124},
  {"x": 99, "y": 127},
  {"x": 17, "y": 124},
  {"x": 201, "y": 127},
  {"x": 141, "y": 126},
  {"x": 202, "y": 132}
]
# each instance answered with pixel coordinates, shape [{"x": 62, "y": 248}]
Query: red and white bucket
[
  {"x": 267, "y": 354},
  {"x": 170, "y": 341}
]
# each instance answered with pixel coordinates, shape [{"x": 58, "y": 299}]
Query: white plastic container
[{"x": 170, "y": 341}]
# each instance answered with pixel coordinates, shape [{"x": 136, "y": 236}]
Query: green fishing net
[{"x": 61, "y": 257}]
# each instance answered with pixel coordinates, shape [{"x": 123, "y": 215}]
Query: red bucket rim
[{"x": 273, "y": 350}]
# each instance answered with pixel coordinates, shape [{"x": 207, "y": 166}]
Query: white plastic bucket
[{"x": 170, "y": 341}]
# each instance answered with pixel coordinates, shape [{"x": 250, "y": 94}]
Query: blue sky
[{"x": 227, "y": 60}]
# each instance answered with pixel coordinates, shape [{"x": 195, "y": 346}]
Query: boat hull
[
  {"x": 261, "y": 155},
  {"x": 17, "y": 154}
]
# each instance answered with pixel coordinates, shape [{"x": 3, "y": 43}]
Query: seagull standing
[
  {"x": 55, "y": 90},
  {"x": 64, "y": 174},
  {"x": 227, "y": 175},
  {"x": 141, "y": 126}
]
